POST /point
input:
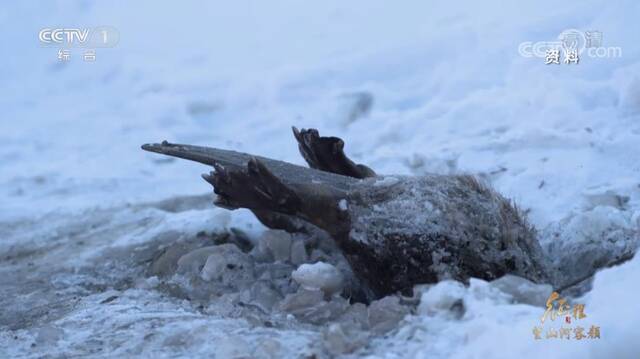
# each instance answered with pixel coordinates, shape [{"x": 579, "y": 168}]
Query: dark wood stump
[{"x": 396, "y": 231}]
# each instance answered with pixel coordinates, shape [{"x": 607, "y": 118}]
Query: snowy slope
[{"x": 412, "y": 88}]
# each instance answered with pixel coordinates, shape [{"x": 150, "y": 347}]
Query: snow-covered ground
[{"x": 411, "y": 88}]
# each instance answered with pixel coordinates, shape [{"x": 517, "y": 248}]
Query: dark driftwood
[{"x": 395, "y": 231}]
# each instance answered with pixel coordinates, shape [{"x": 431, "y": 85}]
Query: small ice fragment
[
  {"x": 441, "y": 298},
  {"x": 342, "y": 204},
  {"x": 147, "y": 283},
  {"x": 264, "y": 295},
  {"x": 311, "y": 307},
  {"x": 298, "y": 252},
  {"x": 278, "y": 274},
  {"x": 229, "y": 266},
  {"x": 301, "y": 300},
  {"x": 193, "y": 261},
  {"x": 386, "y": 313},
  {"x": 279, "y": 244},
  {"x": 340, "y": 339},
  {"x": 320, "y": 275},
  {"x": 261, "y": 253},
  {"x": 523, "y": 290},
  {"x": 356, "y": 315}
]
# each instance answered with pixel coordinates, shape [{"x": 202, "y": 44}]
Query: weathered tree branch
[{"x": 395, "y": 231}]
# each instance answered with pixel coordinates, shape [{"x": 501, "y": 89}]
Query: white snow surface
[{"x": 411, "y": 88}]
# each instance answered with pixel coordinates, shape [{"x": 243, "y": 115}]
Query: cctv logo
[
  {"x": 93, "y": 37},
  {"x": 66, "y": 36}
]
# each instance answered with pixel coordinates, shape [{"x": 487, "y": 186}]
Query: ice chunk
[
  {"x": 279, "y": 244},
  {"x": 343, "y": 205},
  {"x": 343, "y": 339},
  {"x": 607, "y": 198},
  {"x": 523, "y": 290},
  {"x": 441, "y": 298},
  {"x": 194, "y": 261},
  {"x": 326, "y": 311},
  {"x": 279, "y": 274},
  {"x": 298, "y": 252},
  {"x": 386, "y": 313},
  {"x": 583, "y": 242},
  {"x": 301, "y": 300},
  {"x": 356, "y": 315},
  {"x": 310, "y": 306},
  {"x": 264, "y": 295},
  {"x": 261, "y": 253},
  {"x": 229, "y": 266},
  {"x": 320, "y": 275},
  {"x": 166, "y": 263},
  {"x": 147, "y": 283}
]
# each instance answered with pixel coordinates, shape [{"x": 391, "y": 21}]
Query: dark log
[{"x": 396, "y": 231}]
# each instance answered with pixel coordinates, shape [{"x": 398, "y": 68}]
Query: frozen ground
[{"x": 416, "y": 88}]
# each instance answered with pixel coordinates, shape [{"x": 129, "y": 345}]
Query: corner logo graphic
[
  {"x": 63, "y": 36},
  {"x": 102, "y": 36},
  {"x": 558, "y": 307},
  {"x": 573, "y": 44}
]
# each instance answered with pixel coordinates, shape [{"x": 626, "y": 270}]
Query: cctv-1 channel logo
[{"x": 102, "y": 36}]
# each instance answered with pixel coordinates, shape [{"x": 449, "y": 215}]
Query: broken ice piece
[
  {"x": 310, "y": 306},
  {"x": 340, "y": 339},
  {"x": 298, "y": 252},
  {"x": 523, "y": 290},
  {"x": 356, "y": 315},
  {"x": 279, "y": 244},
  {"x": 228, "y": 265},
  {"x": 193, "y": 261},
  {"x": 386, "y": 313},
  {"x": 279, "y": 274},
  {"x": 264, "y": 295},
  {"x": 302, "y": 299},
  {"x": 442, "y": 298},
  {"x": 319, "y": 276}
]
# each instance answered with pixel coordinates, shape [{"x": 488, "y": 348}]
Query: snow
[
  {"x": 494, "y": 326},
  {"x": 411, "y": 89}
]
